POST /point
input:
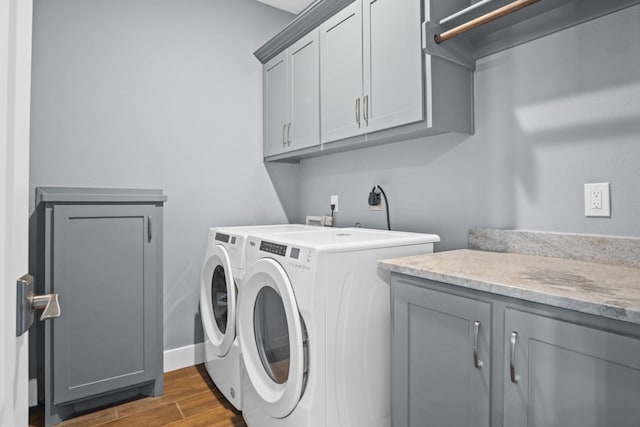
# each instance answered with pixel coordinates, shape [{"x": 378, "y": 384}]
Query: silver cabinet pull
[
  {"x": 476, "y": 329},
  {"x": 358, "y": 111},
  {"x": 366, "y": 110},
  {"x": 284, "y": 141},
  {"x": 512, "y": 363},
  {"x": 289, "y": 134},
  {"x": 149, "y": 228}
]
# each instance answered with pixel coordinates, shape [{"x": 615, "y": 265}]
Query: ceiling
[{"x": 293, "y": 6}]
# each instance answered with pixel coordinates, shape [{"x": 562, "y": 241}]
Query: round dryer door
[
  {"x": 272, "y": 336},
  {"x": 218, "y": 300}
]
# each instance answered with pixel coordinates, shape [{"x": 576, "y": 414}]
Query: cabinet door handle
[
  {"x": 149, "y": 228},
  {"x": 366, "y": 110},
  {"x": 358, "y": 111},
  {"x": 476, "y": 329},
  {"x": 284, "y": 129},
  {"x": 512, "y": 363},
  {"x": 289, "y": 134}
]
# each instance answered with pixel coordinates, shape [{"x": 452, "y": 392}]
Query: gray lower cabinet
[
  {"x": 542, "y": 366},
  {"x": 441, "y": 366},
  {"x": 103, "y": 257},
  {"x": 569, "y": 375}
]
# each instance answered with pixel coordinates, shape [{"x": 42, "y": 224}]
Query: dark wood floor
[{"x": 190, "y": 399}]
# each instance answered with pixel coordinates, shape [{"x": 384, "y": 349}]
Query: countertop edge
[{"x": 513, "y": 291}]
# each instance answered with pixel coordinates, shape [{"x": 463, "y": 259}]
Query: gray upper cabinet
[
  {"x": 371, "y": 64},
  {"x": 441, "y": 363},
  {"x": 276, "y": 104},
  {"x": 341, "y": 74},
  {"x": 101, "y": 252},
  {"x": 291, "y": 98},
  {"x": 392, "y": 58},
  {"x": 569, "y": 375}
]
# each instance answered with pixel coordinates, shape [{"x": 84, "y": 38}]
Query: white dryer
[
  {"x": 222, "y": 272},
  {"x": 313, "y": 322}
]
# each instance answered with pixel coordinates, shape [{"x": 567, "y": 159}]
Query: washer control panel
[
  {"x": 221, "y": 237},
  {"x": 273, "y": 248}
]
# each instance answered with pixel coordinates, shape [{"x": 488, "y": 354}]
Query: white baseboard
[
  {"x": 182, "y": 357},
  {"x": 33, "y": 392}
]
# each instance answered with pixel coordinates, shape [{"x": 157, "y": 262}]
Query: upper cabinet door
[
  {"x": 304, "y": 89},
  {"x": 392, "y": 63},
  {"x": 341, "y": 74},
  {"x": 276, "y": 105}
]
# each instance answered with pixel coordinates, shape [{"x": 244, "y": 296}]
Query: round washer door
[
  {"x": 271, "y": 336},
  {"x": 218, "y": 300}
]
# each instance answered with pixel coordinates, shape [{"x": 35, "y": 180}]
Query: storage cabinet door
[
  {"x": 304, "y": 89},
  {"x": 569, "y": 375},
  {"x": 435, "y": 346},
  {"x": 276, "y": 105},
  {"x": 341, "y": 74},
  {"x": 104, "y": 273},
  {"x": 392, "y": 63}
]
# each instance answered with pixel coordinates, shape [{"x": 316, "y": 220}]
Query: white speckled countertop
[{"x": 610, "y": 291}]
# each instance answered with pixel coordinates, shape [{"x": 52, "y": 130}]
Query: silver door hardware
[
  {"x": 366, "y": 110},
  {"x": 284, "y": 129},
  {"x": 476, "y": 329},
  {"x": 289, "y": 134},
  {"x": 512, "y": 363},
  {"x": 27, "y": 303},
  {"x": 358, "y": 111},
  {"x": 149, "y": 229}
]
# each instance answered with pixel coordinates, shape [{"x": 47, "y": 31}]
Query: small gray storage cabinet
[
  {"x": 540, "y": 365},
  {"x": 100, "y": 250}
]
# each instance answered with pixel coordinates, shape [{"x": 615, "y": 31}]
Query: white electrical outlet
[
  {"x": 334, "y": 201},
  {"x": 596, "y": 200}
]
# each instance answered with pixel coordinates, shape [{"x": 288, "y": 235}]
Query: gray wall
[
  {"x": 160, "y": 94},
  {"x": 551, "y": 115}
]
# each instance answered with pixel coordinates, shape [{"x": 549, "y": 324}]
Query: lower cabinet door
[
  {"x": 440, "y": 364},
  {"x": 563, "y": 374},
  {"x": 104, "y": 272}
]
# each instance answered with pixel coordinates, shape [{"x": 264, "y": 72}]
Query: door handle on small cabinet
[
  {"x": 477, "y": 363},
  {"x": 358, "y": 111},
  {"x": 512, "y": 359},
  {"x": 289, "y": 134},
  {"x": 149, "y": 229}
]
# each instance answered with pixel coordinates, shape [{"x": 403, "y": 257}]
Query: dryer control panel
[{"x": 296, "y": 257}]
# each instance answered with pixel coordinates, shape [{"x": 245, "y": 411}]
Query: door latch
[{"x": 27, "y": 302}]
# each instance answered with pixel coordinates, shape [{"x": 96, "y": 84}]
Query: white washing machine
[
  {"x": 313, "y": 322},
  {"x": 222, "y": 273}
]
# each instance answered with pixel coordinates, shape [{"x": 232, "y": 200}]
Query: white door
[
  {"x": 272, "y": 337},
  {"x": 218, "y": 301},
  {"x": 341, "y": 75},
  {"x": 15, "y": 84}
]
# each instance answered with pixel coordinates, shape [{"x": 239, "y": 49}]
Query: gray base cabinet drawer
[
  {"x": 541, "y": 366},
  {"x": 103, "y": 257}
]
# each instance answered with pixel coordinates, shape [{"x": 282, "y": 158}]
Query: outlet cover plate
[{"x": 591, "y": 194}]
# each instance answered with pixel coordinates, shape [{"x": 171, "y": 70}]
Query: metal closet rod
[{"x": 481, "y": 20}]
